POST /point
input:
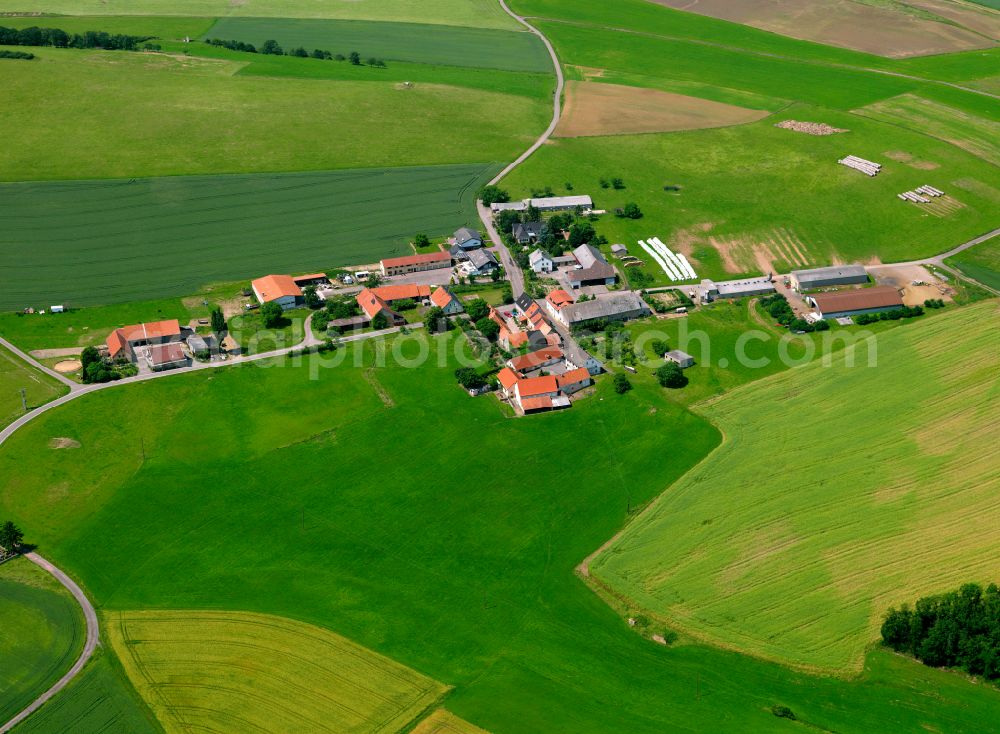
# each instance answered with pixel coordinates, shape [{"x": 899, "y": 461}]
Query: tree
[
  {"x": 300, "y": 52},
  {"x": 495, "y": 274},
  {"x": 421, "y": 240},
  {"x": 10, "y": 537},
  {"x": 319, "y": 53},
  {"x": 218, "y": 320},
  {"x": 493, "y": 195},
  {"x": 355, "y": 58},
  {"x": 312, "y": 299},
  {"x": 340, "y": 57},
  {"x": 631, "y": 211},
  {"x": 532, "y": 214},
  {"x": 469, "y": 379},
  {"x": 271, "y": 315},
  {"x": 660, "y": 346},
  {"x": 271, "y": 47},
  {"x": 372, "y": 61},
  {"x": 90, "y": 356},
  {"x": 671, "y": 375},
  {"x": 617, "y": 183},
  {"x": 374, "y": 279},
  {"x": 435, "y": 320},
  {"x": 580, "y": 233},
  {"x": 320, "y": 321},
  {"x": 379, "y": 321},
  {"x": 507, "y": 294},
  {"x": 622, "y": 385},
  {"x": 477, "y": 309},
  {"x": 488, "y": 328}
]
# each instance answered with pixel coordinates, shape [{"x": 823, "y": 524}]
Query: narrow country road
[{"x": 93, "y": 635}]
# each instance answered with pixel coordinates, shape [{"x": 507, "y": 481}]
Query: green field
[
  {"x": 755, "y": 189},
  {"x": 200, "y": 117},
  {"x": 41, "y": 634},
  {"x": 16, "y": 375},
  {"x": 838, "y": 493},
  {"x": 446, "y": 565},
  {"x": 233, "y": 671},
  {"x": 98, "y": 701},
  {"x": 162, "y": 28},
  {"x": 118, "y": 241},
  {"x": 472, "y": 13},
  {"x": 981, "y": 262},
  {"x": 420, "y": 43}
]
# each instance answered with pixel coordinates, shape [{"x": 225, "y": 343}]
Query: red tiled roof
[
  {"x": 313, "y": 276},
  {"x": 543, "y": 403},
  {"x": 513, "y": 338},
  {"x": 273, "y": 287},
  {"x": 580, "y": 374},
  {"x": 533, "y": 359},
  {"x": 559, "y": 298},
  {"x": 429, "y": 257},
  {"x": 390, "y": 293},
  {"x": 116, "y": 342},
  {"x": 537, "y": 386},
  {"x": 507, "y": 378},
  {"x": 168, "y": 353},
  {"x": 152, "y": 330},
  {"x": 442, "y": 297},
  {"x": 882, "y": 296},
  {"x": 371, "y": 304}
]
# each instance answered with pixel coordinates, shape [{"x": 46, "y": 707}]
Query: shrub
[
  {"x": 783, "y": 712},
  {"x": 469, "y": 379},
  {"x": 271, "y": 315},
  {"x": 272, "y": 48},
  {"x": 493, "y": 195},
  {"x": 380, "y": 321},
  {"x": 631, "y": 211},
  {"x": 488, "y": 328},
  {"x": 622, "y": 385},
  {"x": 477, "y": 309},
  {"x": 671, "y": 375},
  {"x": 617, "y": 183}
]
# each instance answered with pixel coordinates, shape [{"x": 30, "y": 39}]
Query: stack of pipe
[{"x": 869, "y": 168}]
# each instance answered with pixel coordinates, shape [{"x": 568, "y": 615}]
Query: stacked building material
[{"x": 869, "y": 168}]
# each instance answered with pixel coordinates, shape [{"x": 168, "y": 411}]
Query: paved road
[
  {"x": 39, "y": 366},
  {"x": 93, "y": 636}
]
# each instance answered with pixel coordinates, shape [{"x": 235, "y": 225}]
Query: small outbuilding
[{"x": 681, "y": 359}]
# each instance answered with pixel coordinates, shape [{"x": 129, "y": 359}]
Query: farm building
[
  {"x": 446, "y": 301},
  {"x": 280, "y": 289},
  {"x": 556, "y": 300},
  {"x": 373, "y": 301},
  {"x": 468, "y": 239},
  {"x": 576, "y": 357},
  {"x": 619, "y": 250},
  {"x": 372, "y": 305},
  {"x": 710, "y": 289},
  {"x": 527, "y": 233},
  {"x": 540, "y": 262},
  {"x": 480, "y": 262},
  {"x": 681, "y": 359},
  {"x": 804, "y": 280},
  {"x": 201, "y": 344},
  {"x": 854, "y": 302},
  {"x": 537, "y": 360},
  {"x": 122, "y": 342},
  {"x": 167, "y": 356},
  {"x": 593, "y": 270},
  {"x": 415, "y": 263},
  {"x": 508, "y": 206},
  {"x": 313, "y": 279},
  {"x": 545, "y": 204},
  {"x": 612, "y": 307}
]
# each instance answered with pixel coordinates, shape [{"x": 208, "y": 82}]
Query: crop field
[
  {"x": 119, "y": 240},
  {"x": 199, "y": 117},
  {"x": 472, "y": 13},
  {"x": 796, "y": 215},
  {"x": 98, "y": 701},
  {"x": 978, "y": 135},
  {"x": 443, "y": 721},
  {"x": 15, "y": 375},
  {"x": 41, "y": 634},
  {"x": 612, "y": 109},
  {"x": 420, "y": 43},
  {"x": 163, "y": 28},
  {"x": 372, "y": 550},
  {"x": 764, "y": 549},
  {"x": 233, "y": 671},
  {"x": 981, "y": 262},
  {"x": 889, "y": 29}
]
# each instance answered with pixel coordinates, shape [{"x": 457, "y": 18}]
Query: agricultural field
[
  {"x": 98, "y": 701},
  {"x": 201, "y": 117},
  {"x": 444, "y": 722},
  {"x": 766, "y": 550},
  {"x": 126, "y": 240},
  {"x": 593, "y": 108},
  {"x": 978, "y": 135},
  {"x": 889, "y": 29},
  {"x": 471, "y": 13},
  {"x": 41, "y": 634},
  {"x": 981, "y": 263},
  {"x": 418, "y": 43},
  {"x": 233, "y": 671},
  {"x": 372, "y": 550},
  {"x": 15, "y": 375}
]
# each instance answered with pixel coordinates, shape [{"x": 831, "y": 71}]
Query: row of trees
[
  {"x": 272, "y": 48},
  {"x": 959, "y": 629},
  {"x": 59, "y": 38},
  {"x": 906, "y": 312}
]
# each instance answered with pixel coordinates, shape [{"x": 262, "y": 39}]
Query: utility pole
[{"x": 24, "y": 400}]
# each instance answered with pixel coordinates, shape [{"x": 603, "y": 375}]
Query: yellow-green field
[
  {"x": 241, "y": 672},
  {"x": 978, "y": 135},
  {"x": 443, "y": 721},
  {"x": 838, "y": 492}
]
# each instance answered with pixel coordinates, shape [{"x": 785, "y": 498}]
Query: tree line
[
  {"x": 272, "y": 48},
  {"x": 958, "y": 629},
  {"x": 35, "y": 36}
]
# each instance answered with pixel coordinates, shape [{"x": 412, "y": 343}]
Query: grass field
[
  {"x": 41, "y": 634},
  {"x": 233, "y": 671},
  {"x": 201, "y": 118},
  {"x": 16, "y": 375},
  {"x": 838, "y": 493},
  {"x": 447, "y": 565},
  {"x": 981, "y": 262},
  {"x": 118, "y": 241},
  {"x": 472, "y": 13},
  {"x": 796, "y": 215},
  {"x": 979, "y": 136},
  {"x": 419, "y": 43},
  {"x": 163, "y": 28}
]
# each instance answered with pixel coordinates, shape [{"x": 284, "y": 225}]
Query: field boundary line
[{"x": 89, "y": 645}]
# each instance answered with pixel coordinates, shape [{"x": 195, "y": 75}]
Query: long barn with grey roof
[
  {"x": 619, "y": 306},
  {"x": 804, "y": 280}
]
